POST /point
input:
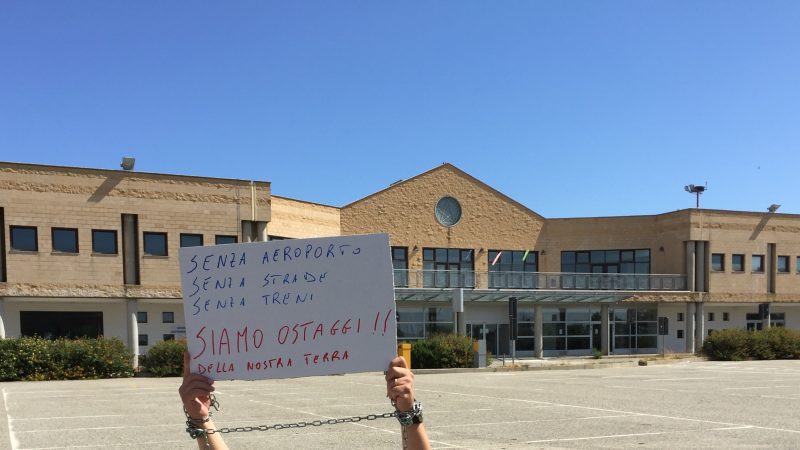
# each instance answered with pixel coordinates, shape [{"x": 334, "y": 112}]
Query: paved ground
[{"x": 683, "y": 405}]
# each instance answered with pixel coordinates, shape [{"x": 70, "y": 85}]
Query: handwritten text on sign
[{"x": 289, "y": 308}]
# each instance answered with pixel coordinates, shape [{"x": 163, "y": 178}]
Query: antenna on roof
[{"x": 696, "y": 190}]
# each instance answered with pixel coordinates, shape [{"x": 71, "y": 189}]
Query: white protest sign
[{"x": 289, "y": 308}]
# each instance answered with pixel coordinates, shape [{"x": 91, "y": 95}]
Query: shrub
[
  {"x": 35, "y": 358},
  {"x": 165, "y": 359},
  {"x": 737, "y": 345},
  {"x": 442, "y": 351},
  {"x": 728, "y": 345}
]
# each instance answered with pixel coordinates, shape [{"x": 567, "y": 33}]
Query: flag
[
  {"x": 497, "y": 258},
  {"x": 525, "y": 256}
]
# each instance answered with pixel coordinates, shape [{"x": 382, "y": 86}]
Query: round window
[{"x": 448, "y": 211}]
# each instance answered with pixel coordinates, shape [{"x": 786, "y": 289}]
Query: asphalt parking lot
[{"x": 681, "y": 405}]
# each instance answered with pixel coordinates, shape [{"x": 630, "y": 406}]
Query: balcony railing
[{"x": 538, "y": 280}]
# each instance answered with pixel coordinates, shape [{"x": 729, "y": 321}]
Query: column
[
  {"x": 690, "y": 257},
  {"x": 604, "y": 329},
  {"x": 688, "y": 333},
  {"x": 700, "y": 329},
  {"x": 2, "y": 317},
  {"x": 537, "y": 331},
  {"x": 133, "y": 330}
]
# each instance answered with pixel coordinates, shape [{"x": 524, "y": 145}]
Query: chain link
[{"x": 315, "y": 423}]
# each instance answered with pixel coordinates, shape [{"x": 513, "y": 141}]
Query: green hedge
[
  {"x": 165, "y": 359},
  {"x": 35, "y": 358},
  {"x": 739, "y": 345},
  {"x": 442, "y": 351}
]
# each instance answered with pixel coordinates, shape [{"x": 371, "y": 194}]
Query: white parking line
[
  {"x": 11, "y": 436},
  {"x": 660, "y": 416},
  {"x": 654, "y": 433}
]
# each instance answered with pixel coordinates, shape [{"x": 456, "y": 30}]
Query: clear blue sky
[{"x": 579, "y": 108}]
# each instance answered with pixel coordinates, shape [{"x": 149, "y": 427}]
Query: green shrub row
[
  {"x": 442, "y": 351},
  {"x": 35, "y": 358},
  {"x": 739, "y": 345},
  {"x": 165, "y": 359}
]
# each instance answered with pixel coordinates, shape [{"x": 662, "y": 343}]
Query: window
[
  {"x": 725, "y": 317},
  {"x": 400, "y": 266},
  {"x": 710, "y": 317},
  {"x": 797, "y": 265},
  {"x": 680, "y": 334},
  {"x": 143, "y": 340},
  {"x": 24, "y": 239},
  {"x": 168, "y": 337},
  {"x": 680, "y": 317},
  {"x": 718, "y": 262},
  {"x": 155, "y": 244},
  {"x": 65, "y": 240},
  {"x": 783, "y": 264},
  {"x": 512, "y": 268},
  {"x": 757, "y": 264},
  {"x": 57, "y": 324},
  {"x": 168, "y": 317},
  {"x": 141, "y": 317},
  {"x": 104, "y": 242},
  {"x": 418, "y": 323},
  {"x": 448, "y": 267},
  {"x": 224, "y": 239},
  {"x": 191, "y": 240},
  {"x": 737, "y": 263},
  {"x": 606, "y": 261}
]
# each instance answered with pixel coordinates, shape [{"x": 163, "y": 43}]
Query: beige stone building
[{"x": 87, "y": 251}]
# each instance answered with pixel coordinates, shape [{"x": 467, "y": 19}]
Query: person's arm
[
  {"x": 400, "y": 390},
  {"x": 195, "y": 392}
]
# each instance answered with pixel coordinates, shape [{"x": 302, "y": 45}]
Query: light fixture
[
  {"x": 661, "y": 249},
  {"x": 127, "y": 162},
  {"x": 773, "y": 207}
]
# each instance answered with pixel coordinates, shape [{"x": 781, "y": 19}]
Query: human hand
[
  {"x": 400, "y": 384},
  {"x": 195, "y": 391}
]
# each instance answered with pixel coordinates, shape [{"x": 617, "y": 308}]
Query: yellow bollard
[{"x": 404, "y": 350}]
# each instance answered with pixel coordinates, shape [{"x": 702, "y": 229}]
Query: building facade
[{"x": 87, "y": 251}]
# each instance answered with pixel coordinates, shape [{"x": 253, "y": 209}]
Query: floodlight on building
[
  {"x": 696, "y": 190},
  {"x": 127, "y": 162},
  {"x": 773, "y": 207}
]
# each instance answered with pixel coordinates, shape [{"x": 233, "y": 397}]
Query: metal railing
[{"x": 539, "y": 280}]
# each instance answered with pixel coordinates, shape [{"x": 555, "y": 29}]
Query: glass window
[
  {"x": 680, "y": 334},
  {"x": 797, "y": 265},
  {"x": 155, "y": 244},
  {"x": 680, "y": 317},
  {"x": 168, "y": 337},
  {"x": 717, "y": 262},
  {"x": 65, "y": 240},
  {"x": 141, "y": 317},
  {"x": 400, "y": 266},
  {"x": 737, "y": 263},
  {"x": 757, "y": 263},
  {"x": 104, "y": 242},
  {"x": 143, "y": 340},
  {"x": 190, "y": 240},
  {"x": 221, "y": 239},
  {"x": 711, "y": 317},
  {"x": 448, "y": 267},
  {"x": 783, "y": 264},
  {"x": 24, "y": 239},
  {"x": 725, "y": 317},
  {"x": 168, "y": 317}
]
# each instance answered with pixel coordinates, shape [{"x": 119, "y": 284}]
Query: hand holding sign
[{"x": 289, "y": 308}]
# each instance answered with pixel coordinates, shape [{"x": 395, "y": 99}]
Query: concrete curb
[{"x": 569, "y": 365}]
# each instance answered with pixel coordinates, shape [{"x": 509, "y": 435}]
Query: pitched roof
[{"x": 458, "y": 171}]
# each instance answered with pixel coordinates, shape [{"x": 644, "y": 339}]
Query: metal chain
[{"x": 315, "y": 423}]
